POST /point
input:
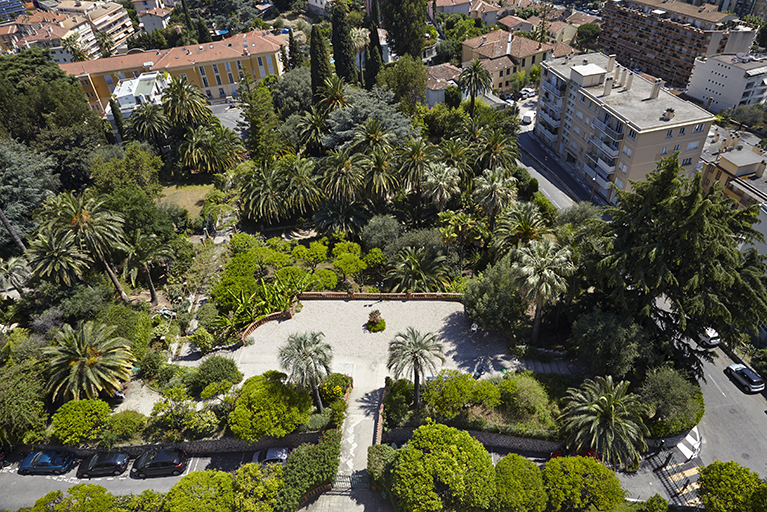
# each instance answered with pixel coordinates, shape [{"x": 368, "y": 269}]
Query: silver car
[
  {"x": 745, "y": 377},
  {"x": 271, "y": 456}
]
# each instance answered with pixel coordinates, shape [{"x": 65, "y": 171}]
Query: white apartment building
[
  {"x": 613, "y": 126},
  {"x": 729, "y": 80}
]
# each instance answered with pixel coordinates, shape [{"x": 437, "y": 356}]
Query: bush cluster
[{"x": 333, "y": 387}]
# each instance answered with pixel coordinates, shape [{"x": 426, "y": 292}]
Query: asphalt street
[{"x": 228, "y": 114}]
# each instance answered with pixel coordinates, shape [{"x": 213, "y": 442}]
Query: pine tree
[
  {"x": 343, "y": 48},
  {"x": 320, "y": 61},
  {"x": 373, "y": 57},
  {"x": 118, "y": 115},
  {"x": 405, "y": 23},
  {"x": 203, "y": 34},
  {"x": 296, "y": 57}
]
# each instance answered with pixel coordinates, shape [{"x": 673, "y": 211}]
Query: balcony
[
  {"x": 602, "y": 127},
  {"x": 609, "y": 150},
  {"x": 558, "y": 92},
  {"x": 549, "y": 137},
  {"x": 604, "y": 168},
  {"x": 550, "y": 120},
  {"x": 553, "y": 104}
]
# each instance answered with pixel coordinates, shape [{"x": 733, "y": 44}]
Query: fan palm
[
  {"x": 473, "y": 80},
  {"x": 148, "y": 122},
  {"x": 54, "y": 255},
  {"x": 263, "y": 194},
  {"x": 97, "y": 231},
  {"x": 301, "y": 183},
  {"x": 413, "y": 353},
  {"x": 606, "y": 418},
  {"x": 88, "y": 361},
  {"x": 185, "y": 104},
  {"x": 415, "y": 270},
  {"x": 440, "y": 184},
  {"x": 72, "y": 45},
  {"x": 312, "y": 128},
  {"x": 360, "y": 39},
  {"x": 333, "y": 93},
  {"x": 341, "y": 218},
  {"x": 14, "y": 272},
  {"x": 144, "y": 251},
  {"x": 540, "y": 275},
  {"x": 307, "y": 357},
  {"x": 494, "y": 191},
  {"x": 226, "y": 148},
  {"x": 343, "y": 178},
  {"x": 381, "y": 177},
  {"x": 415, "y": 156},
  {"x": 520, "y": 224},
  {"x": 496, "y": 149},
  {"x": 105, "y": 42}
]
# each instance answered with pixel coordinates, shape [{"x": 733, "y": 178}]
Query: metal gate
[{"x": 350, "y": 482}]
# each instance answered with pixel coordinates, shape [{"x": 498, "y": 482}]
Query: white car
[
  {"x": 710, "y": 338},
  {"x": 527, "y": 92},
  {"x": 529, "y": 117}
]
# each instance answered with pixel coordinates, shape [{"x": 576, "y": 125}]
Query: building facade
[
  {"x": 664, "y": 37},
  {"x": 729, "y": 80},
  {"x": 216, "y": 67},
  {"x": 9, "y": 9},
  {"x": 47, "y": 29},
  {"x": 737, "y": 166},
  {"x": 613, "y": 126},
  {"x": 154, "y": 19}
]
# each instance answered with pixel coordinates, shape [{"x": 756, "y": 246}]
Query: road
[
  {"x": 22, "y": 491},
  {"x": 735, "y": 424},
  {"x": 228, "y": 114}
]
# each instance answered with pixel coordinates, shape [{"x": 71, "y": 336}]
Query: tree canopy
[{"x": 405, "y": 23}]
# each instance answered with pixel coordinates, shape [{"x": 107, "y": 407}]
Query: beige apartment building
[
  {"x": 613, "y": 126},
  {"x": 738, "y": 165}
]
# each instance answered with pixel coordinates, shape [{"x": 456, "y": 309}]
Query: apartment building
[
  {"x": 664, "y": 37},
  {"x": 214, "y": 67},
  {"x": 47, "y": 29},
  {"x": 154, "y": 19},
  {"x": 148, "y": 5},
  {"x": 613, "y": 126},
  {"x": 9, "y": 9},
  {"x": 729, "y": 80},
  {"x": 113, "y": 19}
]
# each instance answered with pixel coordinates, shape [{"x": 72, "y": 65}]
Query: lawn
[{"x": 190, "y": 197}]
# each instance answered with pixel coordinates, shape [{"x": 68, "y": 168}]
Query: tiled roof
[
  {"x": 118, "y": 62},
  {"x": 449, "y": 3},
  {"x": 493, "y": 65},
  {"x": 511, "y": 21},
  {"x": 708, "y": 12},
  {"x": 562, "y": 49},
  {"x": 480, "y": 6},
  {"x": 7, "y": 30},
  {"x": 579, "y": 19},
  {"x": 160, "y": 13},
  {"x": 519, "y": 4},
  {"x": 47, "y": 33},
  {"x": 534, "y": 20},
  {"x": 499, "y": 42},
  {"x": 556, "y": 26},
  {"x": 441, "y": 77},
  {"x": 40, "y": 17}
]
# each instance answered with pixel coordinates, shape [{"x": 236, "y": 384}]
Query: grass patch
[{"x": 190, "y": 197}]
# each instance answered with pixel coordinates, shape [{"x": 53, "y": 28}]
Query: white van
[{"x": 529, "y": 117}]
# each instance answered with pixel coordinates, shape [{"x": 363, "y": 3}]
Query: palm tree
[
  {"x": 496, "y": 149},
  {"x": 148, "y": 122},
  {"x": 440, "y": 184},
  {"x": 381, "y": 177},
  {"x": 606, "y": 418},
  {"x": 333, "y": 93},
  {"x": 74, "y": 48},
  {"x": 185, "y": 104},
  {"x": 494, "y": 191},
  {"x": 263, "y": 194},
  {"x": 301, "y": 183},
  {"x": 347, "y": 219},
  {"x": 54, "y": 255},
  {"x": 211, "y": 149},
  {"x": 415, "y": 157},
  {"x": 371, "y": 136},
  {"x": 460, "y": 227},
  {"x": 307, "y": 357},
  {"x": 88, "y": 361},
  {"x": 97, "y": 231},
  {"x": 455, "y": 153},
  {"x": 414, "y": 353},
  {"x": 144, "y": 251},
  {"x": 343, "y": 178},
  {"x": 474, "y": 80},
  {"x": 519, "y": 225},
  {"x": 105, "y": 42},
  {"x": 14, "y": 272},
  {"x": 418, "y": 271},
  {"x": 360, "y": 40},
  {"x": 312, "y": 128},
  {"x": 540, "y": 274}
]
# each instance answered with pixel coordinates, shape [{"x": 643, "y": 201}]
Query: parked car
[
  {"x": 710, "y": 338},
  {"x": 102, "y": 464},
  {"x": 160, "y": 463},
  {"x": 271, "y": 456},
  {"x": 529, "y": 117},
  {"x": 745, "y": 377},
  {"x": 527, "y": 92},
  {"x": 46, "y": 462}
]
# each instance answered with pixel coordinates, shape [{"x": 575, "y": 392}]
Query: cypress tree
[
  {"x": 320, "y": 61},
  {"x": 286, "y": 66},
  {"x": 375, "y": 13},
  {"x": 373, "y": 57},
  {"x": 203, "y": 34},
  {"x": 296, "y": 57},
  {"x": 119, "y": 121},
  {"x": 343, "y": 49},
  {"x": 188, "y": 19}
]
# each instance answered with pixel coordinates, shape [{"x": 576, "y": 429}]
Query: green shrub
[
  {"x": 531, "y": 395},
  {"x": 759, "y": 362},
  {"x": 676, "y": 426},
  {"x": 201, "y": 424},
  {"x": 131, "y": 324},
  {"x": 85, "y": 302},
  {"x": 399, "y": 396},
  {"x": 290, "y": 274},
  {"x": 656, "y": 504},
  {"x": 508, "y": 389},
  {"x": 323, "y": 279},
  {"x": 577, "y": 483},
  {"x": 338, "y": 413},
  {"x": 242, "y": 242},
  {"x": 318, "y": 421},
  {"x": 80, "y": 420},
  {"x": 334, "y": 386},
  {"x": 519, "y": 485},
  {"x": 449, "y": 392},
  {"x": 214, "y": 369},
  {"x": 676, "y": 403},
  {"x": 126, "y": 424},
  {"x": 150, "y": 364},
  {"x": 377, "y": 326},
  {"x": 203, "y": 340},
  {"x": 206, "y": 314},
  {"x": 487, "y": 394},
  {"x": 380, "y": 459}
]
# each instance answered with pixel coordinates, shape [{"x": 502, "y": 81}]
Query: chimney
[
  {"x": 610, "y": 63},
  {"x": 585, "y": 62},
  {"x": 655, "y": 89},
  {"x": 668, "y": 114},
  {"x": 629, "y": 79},
  {"x": 608, "y": 85}
]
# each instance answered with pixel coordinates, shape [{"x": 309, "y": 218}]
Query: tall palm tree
[
  {"x": 312, "y": 128},
  {"x": 307, "y": 357},
  {"x": 519, "y": 225},
  {"x": 332, "y": 217},
  {"x": 105, "y": 42},
  {"x": 494, "y": 191},
  {"x": 440, "y": 184},
  {"x": 371, "y": 136},
  {"x": 540, "y": 274},
  {"x": 211, "y": 149},
  {"x": 455, "y": 153},
  {"x": 360, "y": 39},
  {"x": 415, "y": 270},
  {"x": 342, "y": 179},
  {"x": 415, "y": 156},
  {"x": 97, "y": 231},
  {"x": 88, "y": 361},
  {"x": 54, "y": 255},
  {"x": 334, "y": 93},
  {"x": 413, "y": 353},
  {"x": 144, "y": 251},
  {"x": 496, "y": 149},
  {"x": 74, "y": 48},
  {"x": 263, "y": 194},
  {"x": 14, "y": 272},
  {"x": 302, "y": 185},
  {"x": 148, "y": 122},
  {"x": 462, "y": 228},
  {"x": 381, "y": 176},
  {"x": 474, "y": 80},
  {"x": 606, "y": 418},
  {"x": 185, "y": 104}
]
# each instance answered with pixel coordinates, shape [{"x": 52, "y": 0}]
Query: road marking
[{"x": 717, "y": 387}]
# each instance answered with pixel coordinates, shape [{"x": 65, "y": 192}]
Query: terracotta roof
[
  {"x": 562, "y": 49},
  {"x": 708, "y": 12},
  {"x": 534, "y": 20},
  {"x": 555, "y": 26},
  {"x": 160, "y": 13},
  {"x": 519, "y": 4},
  {"x": 7, "y": 30},
  {"x": 441, "y": 77},
  {"x": 47, "y": 33},
  {"x": 499, "y": 42},
  {"x": 513, "y": 22},
  {"x": 116, "y": 63},
  {"x": 579, "y": 19},
  {"x": 258, "y": 41},
  {"x": 480, "y": 6},
  {"x": 40, "y": 17},
  {"x": 493, "y": 65},
  {"x": 105, "y": 10},
  {"x": 449, "y": 3},
  {"x": 191, "y": 55},
  {"x": 555, "y": 14}
]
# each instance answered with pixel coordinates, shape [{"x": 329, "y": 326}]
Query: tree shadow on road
[
  {"x": 370, "y": 402},
  {"x": 473, "y": 351}
]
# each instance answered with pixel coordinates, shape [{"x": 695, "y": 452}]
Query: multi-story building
[
  {"x": 154, "y": 19},
  {"x": 613, "y": 126},
  {"x": 729, "y": 80},
  {"x": 215, "y": 67},
  {"x": 9, "y": 9},
  {"x": 737, "y": 164},
  {"x": 148, "y": 5},
  {"x": 113, "y": 19},
  {"x": 9, "y": 34},
  {"x": 438, "y": 79},
  {"x": 47, "y": 29},
  {"x": 664, "y": 37}
]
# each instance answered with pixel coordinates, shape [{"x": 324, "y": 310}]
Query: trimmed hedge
[{"x": 380, "y": 458}]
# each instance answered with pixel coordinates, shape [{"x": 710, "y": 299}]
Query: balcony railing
[
  {"x": 609, "y": 150},
  {"x": 551, "y": 138},
  {"x": 606, "y": 168},
  {"x": 607, "y": 130},
  {"x": 549, "y": 119},
  {"x": 553, "y": 89},
  {"x": 553, "y": 104}
]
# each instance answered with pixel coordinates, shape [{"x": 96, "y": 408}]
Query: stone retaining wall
[
  {"x": 379, "y": 296},
  {"x": 280, "y": 315},
  {"x": 521, "y": 444}
]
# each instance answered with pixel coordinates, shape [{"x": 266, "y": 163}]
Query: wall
[{"x": 401, "y": 435}]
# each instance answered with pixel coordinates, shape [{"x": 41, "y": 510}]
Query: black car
[
  {"x": 160, "y": 463},
  {"x": 102, "y": 464}
]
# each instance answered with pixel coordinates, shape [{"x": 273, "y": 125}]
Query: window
[
  {"x": 708, "y": 181},
  {"x": 676, "y": 148},
  {"x": 669, "y": 134},
  {"x": 136, "y": 74},
  {"x": 260, "y": 62},
  {"x": 108, "y": 78},
  {"x": 697, "y": 128},
  {"x": 632, "y": 134},
  {"x": 627, "y": 151},
  {"x": 693, "y": 145},
  {"x": 183, "y": 75},
  {"x": 239, "y": 65},
  {"x": 718, "y": 175},
  {"x": 686, "y": 161},
  {"x": 205, "y": 82},
  {"x": 215, "y": 68},
  {"x": 221, "y": 93},
  {"x": 228, "y": 67},
  {"x": 574, "y": 145},
  {"x": 230, "y": 77},
  {"x": 664, "y": 151},
  {"x": 210, "y": 95},
  {"x": 218, "y": 80},
  {"x": 583, "y": 98},
  {"x": 500, "y": 74},
  {"x": 507, "y": 72},
  {"x": 579, "y": 115},
  {"x": 523, "y": 62},
  {"x": 586, "y": 121},
  {"x": 577, "y": 130},
  {"x": 623, "y": 167},
  {"x": 681, "y": 131},
  {"x": 618, "y": 183},
  {"x": 202, "y": 70}
]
